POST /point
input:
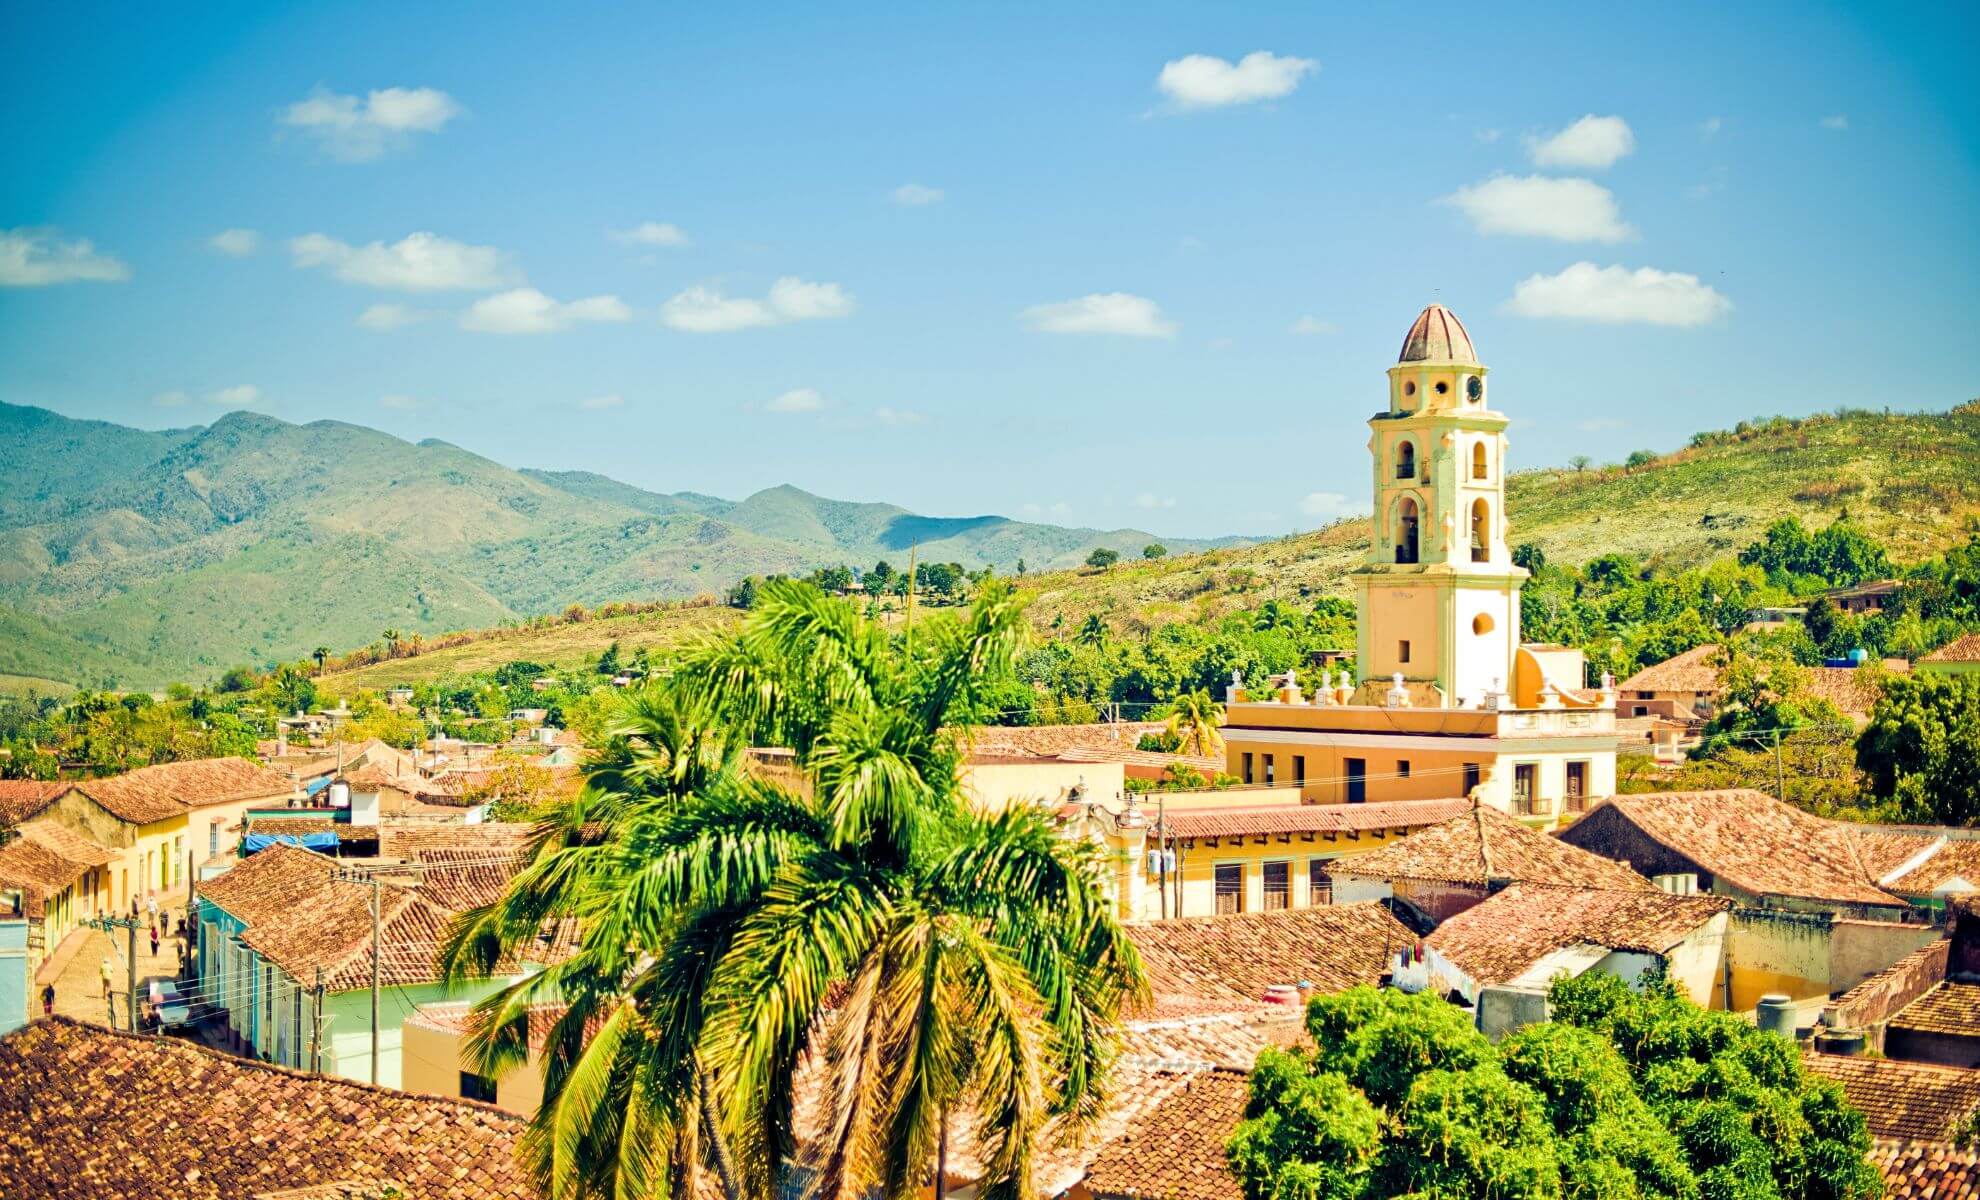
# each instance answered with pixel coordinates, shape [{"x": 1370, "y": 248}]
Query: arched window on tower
[
  {"x": 1406, "y": 460},
  {"x": 1481, "y": 531},
  {"x": 1478, "y": 460},
  {"x": 1406, "y": 531}
]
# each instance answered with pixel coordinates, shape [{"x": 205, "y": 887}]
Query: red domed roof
[{"x": 1437, "y": 336}]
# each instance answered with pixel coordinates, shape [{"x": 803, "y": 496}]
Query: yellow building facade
[{"x": 1445, "y": 701}]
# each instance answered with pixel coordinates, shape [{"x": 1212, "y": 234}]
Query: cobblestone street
[{"x": 77, "y": 971}]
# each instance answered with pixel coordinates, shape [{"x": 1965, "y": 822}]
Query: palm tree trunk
[
  {"x": 942, "y": 1157},
  {"x": 718, "y": 1146}
]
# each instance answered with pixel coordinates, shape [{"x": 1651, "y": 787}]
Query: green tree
[
  {"x": 1153, "y": 551},
  {"x": 1092, "y": 632},
  {"x": 1580, "y": 463},
  {"x": 1627, "y": 1093},
  {"x": 1195, "y": 722},
  {"x": 1103, "y": 558},
  {"x": 1530, "y": 556},
  {"x": 392, "y": 637},
  {"x": 1921, "y": 748},
  {"x": 1640, "y": 458},
  {"x": 935, "y": 962},
  {"x": 320, "y": 654}
]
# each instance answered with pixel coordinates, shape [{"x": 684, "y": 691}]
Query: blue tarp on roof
[
  {"x": 309, "y": 841},
  {"x": 316, "y": 785}
]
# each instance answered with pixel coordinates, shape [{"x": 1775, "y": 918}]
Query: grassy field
[
  {"x": 1911, "y": 480},
  {"x": 21, "y": 685},
  {"x": 561, "y": 646}
]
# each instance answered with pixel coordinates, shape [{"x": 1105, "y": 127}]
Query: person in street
[
  {"x": 48, "y": 1001},
  {"x": 151, "y": 907},
  {"x": 154, "y": 939}
]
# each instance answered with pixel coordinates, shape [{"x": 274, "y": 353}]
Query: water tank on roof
[
  {"x": 1776, "y": 1013},
  {"x": 340, "y": 795}
]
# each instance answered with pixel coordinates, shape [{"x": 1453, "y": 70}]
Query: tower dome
[{"x": 1437, "y": 336}]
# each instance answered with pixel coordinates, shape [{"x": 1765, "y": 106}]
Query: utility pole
[
  {"x": 910, "y": 604},
  {"x": 1780, "y": 781},
  {"x": 316, "y": 1026},
  {"x": 129, "y": 926},
  {"x": 374, "y": 981}
]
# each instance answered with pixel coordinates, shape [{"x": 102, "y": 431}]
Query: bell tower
[{"x": 1438, "y": 596}]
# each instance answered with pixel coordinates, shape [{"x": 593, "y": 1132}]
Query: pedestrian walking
[
  {"x": 106, "y": 976},
  {"x": 154, "y": 939},
  {"x": 151, "y": 907},
  {"x": 48, "y": 1001}
]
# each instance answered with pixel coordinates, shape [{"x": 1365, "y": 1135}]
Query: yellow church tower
[{"x": 1438, "y": 596}]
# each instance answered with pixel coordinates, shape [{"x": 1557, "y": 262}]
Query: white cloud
[
  {"x": 898, "y": 416},
  {"x": 651, "y": 233},
  {"x": 418, "y": 262},
  {"x": 1102, "y": 312},
  {"x": 1057, "y": 508},
  {"x": 1323, "y": 504},
  {"x": 1486, "y": 136},
  {"x": 1314, "y": 326},
  {"x": 1619, "y": 296},
  {"x": 383, "y": 318},
  {"x": 598, "y": 403},
  {"x": 1567, "y": 210},
  {"x": 796, "y": 300},
  {"x": 235, "y": 243},
  {"x": 916, "y": 194},
  {"x": 797, "y": 400},
  {"x": 1206, "y": 81},
  {"x": 398, "y": 402},
  {"x": 41, "y": 257},
  {"x": 1151, "y": 500},
  {"x": 1838, "y": 122},
  {"x": 239, "y": 396},
  {"x": 702, "y": 309},
  {"x": 357, "y": 129},
  {"x": 526, "y": 310},
  {"x": 1590, "y": 144},
  {"x": 171, "y": 399},
  {"x": 1709, "y": 128}
]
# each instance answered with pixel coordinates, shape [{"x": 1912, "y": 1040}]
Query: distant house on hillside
[
  {"x": 1958, "y": 657},
  {"x": 1868, "y": 597},
  {"x": 1685, "y": 687}
]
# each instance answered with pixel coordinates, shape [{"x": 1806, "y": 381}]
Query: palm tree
[
  {"x": 1093, "y": 632},
  {"x": 1194, "y": 720},
  {"x": 1274, "y": 615},
  {"x": 392, "y": 643},
  {"x": 932, "y": 961},
  {"x": 320, "y": 654}
]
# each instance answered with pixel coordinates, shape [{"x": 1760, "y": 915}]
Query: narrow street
[{"x": 76, "y": 969}]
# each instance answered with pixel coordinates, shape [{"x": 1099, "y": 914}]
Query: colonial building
[{"x": 1445, "y": 700}]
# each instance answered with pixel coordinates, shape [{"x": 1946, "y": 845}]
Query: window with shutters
[{"x": 1230, "y": 888}]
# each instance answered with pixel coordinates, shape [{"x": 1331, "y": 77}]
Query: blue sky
[{"x": 1135, "y": 276}]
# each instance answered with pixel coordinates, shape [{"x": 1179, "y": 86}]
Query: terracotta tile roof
[
  {"x": 1499, "y": 939},
  {"x": 1230, "y": 960},
  {"x": 36, "y": 872},
  {"x": 1955, "y": 860},
  {"x": 62, "y": 840},
  {"x": 1176, "y": 1150},
  {"x": 1754, "y": 842},
  {"x": 1484, "y": 845},
  {"x": 1927, "y": 1170},
  {"x": 435, "y": 841},
  {"x": 1223, "y": 1039},
  {"x": 1951, "y": 1008},
  {"x": 116, "y": 1116},
  {"x": 1209, "y": 765},
  {"x": 298, "y": 826},
  {"x": 301, "y": 917},
  {"x": 1872, "y": 1001},
  {"x": 1050, "y": 740},
  {"x": 1962, "y": 649},
  {"x": 156, "y": 793},
  {"x": 1903, "y": 1100},
  {"x": 25, "y": 799},
  {"x": 1848, "y": 688},
  {"x": 1251, "y": 820},
  {"x": 1691, "y": 671}
]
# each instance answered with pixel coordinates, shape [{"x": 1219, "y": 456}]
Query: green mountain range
[{"x": 132, "y": 557}]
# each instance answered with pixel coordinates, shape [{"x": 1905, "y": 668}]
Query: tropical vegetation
[
  {"x": 1624, "y": 1093},
  {"x": 938, "y": 965}
]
